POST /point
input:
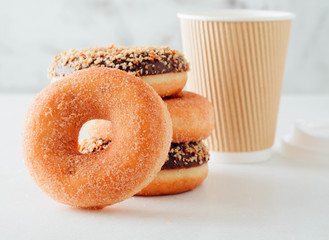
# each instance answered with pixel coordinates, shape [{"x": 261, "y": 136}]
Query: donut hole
[{"x": 93, "y": 138}]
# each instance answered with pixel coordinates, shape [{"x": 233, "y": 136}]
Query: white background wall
[{"x": 32, "y": 31}]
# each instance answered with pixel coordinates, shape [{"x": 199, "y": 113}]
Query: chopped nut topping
[
  {"x": 181, "y": 155},
  {"x": 186, "y": 155},
  {"x": 90, "y": 145},
  {"x": 135, "y": 61}
]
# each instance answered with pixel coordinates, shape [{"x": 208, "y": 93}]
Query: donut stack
[{"x": 192, "y": 115}]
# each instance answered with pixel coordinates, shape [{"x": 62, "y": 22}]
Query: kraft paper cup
[{"x": 237, "y": 60}]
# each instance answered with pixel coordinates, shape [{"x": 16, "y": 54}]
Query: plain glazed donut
[
  {"x": 192, "y": 118},
  {"x": 140, "y": 140},
  {"x": 163, "y": 68},
  {"x": 185, "y": 168}
]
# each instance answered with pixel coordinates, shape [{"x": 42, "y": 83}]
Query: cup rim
[{"x": 236, "y": 15}]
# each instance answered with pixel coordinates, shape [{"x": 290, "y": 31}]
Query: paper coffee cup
[{"x": 237, "y": 60}]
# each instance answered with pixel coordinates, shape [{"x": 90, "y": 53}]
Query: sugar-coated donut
[
  {"x": 192, "y": 117},
  {"x": 140, "y": 140},
  {"x": 185, "y": 168},
  {"x": 163, "y": 68}
]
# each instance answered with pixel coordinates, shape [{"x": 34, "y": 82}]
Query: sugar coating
[
  {"x": 192, "y": 118},
  {"x": 142, "y": 133}
]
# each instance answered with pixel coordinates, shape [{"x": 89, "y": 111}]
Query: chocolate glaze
[
  {"x": 137, "y": 61},
  {"x": 186, "y": 155},
  {"x": 143, "y": 69},
  {"x": 181, "y": 155}
]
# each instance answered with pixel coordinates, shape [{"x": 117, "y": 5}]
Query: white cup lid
[
  {"x": 308, "y": 140},
  {"x": 236, "y": 15}
]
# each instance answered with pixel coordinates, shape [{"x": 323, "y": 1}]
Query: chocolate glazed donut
[
  {"x": 185, "y": 168},
  {"x": 163, "y": 68}
]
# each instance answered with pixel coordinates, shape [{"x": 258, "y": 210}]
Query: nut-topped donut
[
  {"x": 185, "y": 168},
  {"x": 163, "y": 68},
  {"x": 140, "y": 140}
]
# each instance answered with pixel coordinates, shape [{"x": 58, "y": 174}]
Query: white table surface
[{"x": 277, "y": 199}]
